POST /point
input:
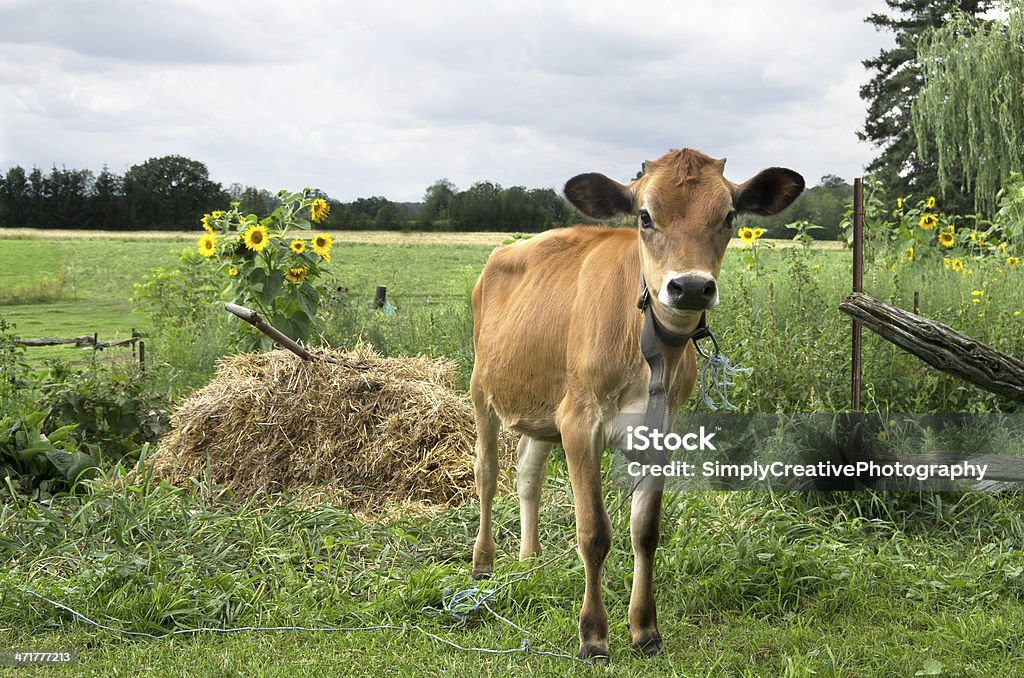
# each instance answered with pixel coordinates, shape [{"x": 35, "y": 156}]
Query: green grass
[
  {"x": 97, "y": 279},
  {"x": 747, "y": 584}
]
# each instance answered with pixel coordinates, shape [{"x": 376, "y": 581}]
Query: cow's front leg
[
  {"x": 644, "y": 528},
  {"x": 593, "y": 533}
]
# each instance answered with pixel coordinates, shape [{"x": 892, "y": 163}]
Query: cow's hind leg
[
  {"x": 486, "y": 470},
  {"x": 530, "y": 471},
  {"x": 644, "y": 528}
]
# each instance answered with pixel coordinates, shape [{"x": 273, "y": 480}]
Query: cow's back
[{"x": 542, "y": 306}]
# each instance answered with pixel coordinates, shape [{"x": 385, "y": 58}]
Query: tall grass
[{"x": 41, "y": 291}]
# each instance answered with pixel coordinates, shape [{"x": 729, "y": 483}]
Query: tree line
[{"x": 173, "y": 192}]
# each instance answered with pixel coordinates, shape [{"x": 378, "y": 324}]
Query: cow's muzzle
[{"x": 690, "y": 292}]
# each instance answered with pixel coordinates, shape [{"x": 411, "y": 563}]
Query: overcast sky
[{"x": 384, "y": 98}]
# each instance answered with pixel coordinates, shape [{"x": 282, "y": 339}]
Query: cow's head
[{"x": 684, "y": 209}]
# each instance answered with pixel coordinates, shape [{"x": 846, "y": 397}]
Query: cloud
[
  {"x": 127, "y": 30},
  {"x": 364, "y": 99}
]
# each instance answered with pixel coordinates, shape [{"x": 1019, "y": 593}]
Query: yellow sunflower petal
[
  {"x": 256, "y": 238},
  {"x": 319, "y": 210},
  {"x": 322, "y": 243}
]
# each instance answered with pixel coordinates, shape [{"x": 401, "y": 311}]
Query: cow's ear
[
  {"x": 598, "y": 196},
  {"x": 770, "y": 192}
]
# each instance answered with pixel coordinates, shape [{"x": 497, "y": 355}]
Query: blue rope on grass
[
  {"x": 460, "y": 603},
  {"x": 715, "y": 380}
]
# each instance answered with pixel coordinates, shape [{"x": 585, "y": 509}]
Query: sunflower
[
  {"x": 931, "y": 202},
  {"x": 206, "y": 224},
  {"x": 910, "y": 254},
  {"x": 207, "y": 245},
  {"x": 256, "y": 238},
  {"x": 322, "y": 244},
  {"x": 1013, "y": 261},
  {"x": 216, "y": 214},
  {"x": 758, "y": 232},
  {"x": 1002, "y": 247},
  {"x": 1022, "y": 191},
  {"x": 297, "y": 274},
  {"x": 946, "y": 262},
  {"x": 233, "y": 272},
  {"x": 319, "y": 210},
  {"x": 957, "y": 265},
  {"x": 747, "y": 235},
  {"x": 899, "y": 203},
  {"x": 946, "y": 238},
  {"x": 298, "y": 246},
  {"x": 928, "y": 222}
]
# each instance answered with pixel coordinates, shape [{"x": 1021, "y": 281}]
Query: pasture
[{"x": 747, "y": 583}]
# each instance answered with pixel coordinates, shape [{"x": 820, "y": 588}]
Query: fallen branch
[
  {"x": 940, "y": 346},
  {"x": 250, "y": 316}
]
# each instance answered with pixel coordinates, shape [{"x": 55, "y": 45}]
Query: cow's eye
[
  {"x": 645, "y": 219},
  {"x": 729, "y": 217}
]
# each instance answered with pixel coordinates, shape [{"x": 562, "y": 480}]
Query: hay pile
[{"x": 371, "y": 431}]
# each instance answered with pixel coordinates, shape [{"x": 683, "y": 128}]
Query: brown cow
[{"x": 556, "y": 334}]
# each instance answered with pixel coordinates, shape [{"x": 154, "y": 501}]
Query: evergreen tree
[
  {"x": 891, "y": 92},
  {"x": 107, "y": 202}
]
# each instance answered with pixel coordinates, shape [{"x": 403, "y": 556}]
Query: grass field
[
  {"x": 748, "y": 584},
  {"x": 97, "y": 276}
]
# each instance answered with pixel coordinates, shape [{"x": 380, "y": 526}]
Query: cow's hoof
[
  {"x": 593, "y": 653},
  {"x": 483, "y": 571},
  {"x": 648, "y": 645}
]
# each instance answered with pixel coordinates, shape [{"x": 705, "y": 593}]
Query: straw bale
[{"x": 372, "y": 432}]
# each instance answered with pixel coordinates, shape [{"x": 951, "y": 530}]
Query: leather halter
[{"x": 652, "y": 332}]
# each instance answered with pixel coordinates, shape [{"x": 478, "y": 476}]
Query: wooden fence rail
[
  {"x": 91, "y": 341},
  {"x": 940, "y": 346}
]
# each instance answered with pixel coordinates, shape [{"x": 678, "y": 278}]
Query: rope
[
  {"x": 715, "y": 380},
  {"x": 459, "y": 605},
  {"x": 524, "y": 648}
]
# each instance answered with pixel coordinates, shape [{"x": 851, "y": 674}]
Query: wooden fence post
[{"x": 858, "y": 286}]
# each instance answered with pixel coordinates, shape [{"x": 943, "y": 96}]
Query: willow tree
[{"x": 970, "y": 110}]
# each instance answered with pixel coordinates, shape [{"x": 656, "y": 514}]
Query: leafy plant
[
  {"x": 14, "y": 368},
  {"x": 269, "y": 268},
  {"x": 114, "y": 409},
  {"x": 36, "y": 461}
]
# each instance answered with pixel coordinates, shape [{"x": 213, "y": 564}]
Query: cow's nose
[{"x": 692, "y": 291}]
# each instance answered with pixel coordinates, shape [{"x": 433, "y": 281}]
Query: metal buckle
[
  {"x": 705, "y": 333},
  {"x": 645, "y": 295}
]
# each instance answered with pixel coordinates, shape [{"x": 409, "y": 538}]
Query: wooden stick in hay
[
  {"x": 250, "y": 316},
  {"x": 940, "y": 346}
]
